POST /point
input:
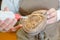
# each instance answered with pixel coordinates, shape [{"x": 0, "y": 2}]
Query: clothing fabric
[
  {"x": 52, "y": 30},
  {"x": 13, "y": 6}
]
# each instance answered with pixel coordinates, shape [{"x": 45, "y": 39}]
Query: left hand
[{"x": 52, "y": 16}]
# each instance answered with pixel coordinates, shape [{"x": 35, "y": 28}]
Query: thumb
[{"x": 16, "y": 27}]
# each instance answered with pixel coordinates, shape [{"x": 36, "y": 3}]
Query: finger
[
  {"x": 16, "y": 27},
  {"x": 52, "y": 15},
  {"x": 12, "y": 23},
  {"x": 51, "y": 11},
  {"x": 6, "y": 9},
  {"x": 5, "y": 23},
  {"x": 52, "y": 20},
  {"x": 17, "y": 16}
]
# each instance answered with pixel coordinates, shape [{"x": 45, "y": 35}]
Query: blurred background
[{"x": 0, "y": 4}]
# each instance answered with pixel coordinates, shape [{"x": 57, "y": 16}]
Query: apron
[
  {"x": 28, "y": 6},
  {"x": 52, "y": 31}
]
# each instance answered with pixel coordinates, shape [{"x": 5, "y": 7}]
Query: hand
[
  {"x": 52, "y": 16},
  {"x": 14, "y": 29},
  {"x": 8, "y": 24}
]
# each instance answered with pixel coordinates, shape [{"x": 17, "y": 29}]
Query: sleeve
[
  {"x": 58, "y": 12},
  {"x": 13, "y": 5},
  {"x": 58, "y": 15}
]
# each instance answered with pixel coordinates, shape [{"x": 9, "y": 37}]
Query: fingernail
[{"x": 20, "y": 25}]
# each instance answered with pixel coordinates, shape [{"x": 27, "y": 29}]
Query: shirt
[{"x": 13, "y": 6}]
